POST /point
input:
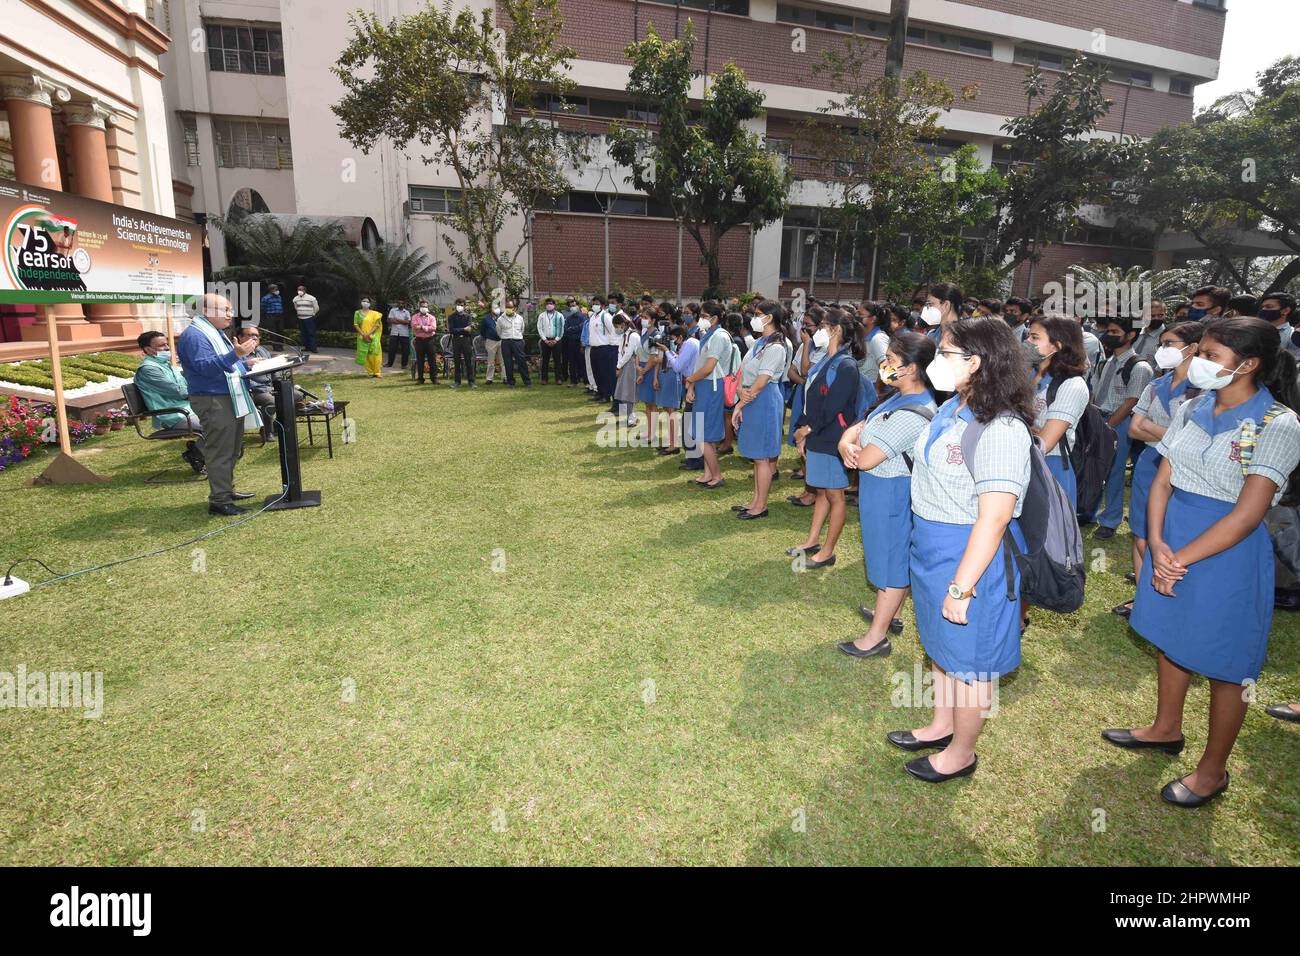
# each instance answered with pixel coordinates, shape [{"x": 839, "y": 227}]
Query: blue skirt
[
  {"x": 1144, "y": 475},
  {"x": 796, "y": 409},
  {"x": 1064, "y": 474},
  {"x": 760, "y": 426},
  {"x": 885, "y": 514},
  {"x": 1218, "y": 620},
  {"x": 989, "y": 645},
  {"x": 645, "y": 391},
  {"x": 669, "y": 392},
  {"x": 825, "y": 471},
  {"x": 709, "y": 422}
]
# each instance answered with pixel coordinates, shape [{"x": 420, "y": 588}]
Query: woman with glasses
[
  {"x": 966, "y": 494},
  {"x": 1151, "y": 417}
]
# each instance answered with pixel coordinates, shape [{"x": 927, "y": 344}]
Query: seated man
[
  {"x": 162, "y": 385},
  {"x": 262, "y": 388}
]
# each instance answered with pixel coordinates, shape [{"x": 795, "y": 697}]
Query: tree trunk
[{"x": 1283, "y": 278}]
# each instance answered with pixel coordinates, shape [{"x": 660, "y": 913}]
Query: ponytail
[{"x": 1282, "y": 383}]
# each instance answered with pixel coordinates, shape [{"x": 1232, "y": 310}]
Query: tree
[
  {"x": 389, "y": 273},
  {"x": 1229, "y": 172},
  {"x": 265, "y": 253},
  {"x": 471, "y": 69},
  {"x": 874, "y": 151},
  {"x": 707, "y": 167},
  {"x": 1057, "y": 163}
]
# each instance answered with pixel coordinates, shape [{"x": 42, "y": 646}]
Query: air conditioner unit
[{"x": 406, "y": 209}]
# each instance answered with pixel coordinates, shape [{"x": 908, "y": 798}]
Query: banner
[{"x": 59, "y": 247}]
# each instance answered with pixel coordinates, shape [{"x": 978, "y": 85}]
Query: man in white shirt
[
  {"x": 510, "y": 326},
  {"x": 550, "y": 329},
  {"x": 306, "y": 307},
  {"x": 604, "y": 348},
  {"x": 399, "y": 332}
]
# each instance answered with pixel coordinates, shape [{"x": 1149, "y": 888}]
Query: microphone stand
[{"x": 286, "y": 416}]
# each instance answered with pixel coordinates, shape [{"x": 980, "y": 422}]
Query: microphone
[{"x": 286, "y": 340}]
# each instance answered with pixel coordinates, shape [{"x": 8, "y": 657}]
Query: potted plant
[
  {"x": 103, "y": 424},
  {"x": 117, "y": 419}
]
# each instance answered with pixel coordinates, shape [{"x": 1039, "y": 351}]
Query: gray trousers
[{"x": 223, "y": 438}]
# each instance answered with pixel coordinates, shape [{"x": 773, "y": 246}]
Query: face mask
[
  {"x": 1195, "y": 315},
  {"x": 1111, "y": 342},
  {"x": 612, "y": 309},
  {"x": 1203, "y": 373},
  {"x": 821, "y": 339},
  {"x": 424, "y": 310},
  {"x": 1270, "y": 315},
  {"x": 302, "y": 291},
  {"x": 1168, "y": 356},
  {"x": 888, "y": 374},
  {"x": 1032, "y": 352},
  {"x": 549, "y": 307},
  {"x": 163, "y": 356},
  {"x": 703, "y": 325},
  {"x": 942, "y": 375},
  {"x": 365, "y": 303},
  {"x": 756, "y": 323},
  {"x": 931, "y": 315},
  {"x": 496, "y": 310}
]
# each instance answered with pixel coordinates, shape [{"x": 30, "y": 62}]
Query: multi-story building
[
  {"x": 255, "y": 86},
  {"x": 82, "y": 100}
]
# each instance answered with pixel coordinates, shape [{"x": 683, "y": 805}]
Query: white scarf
[{"x": 240, "y": 397}]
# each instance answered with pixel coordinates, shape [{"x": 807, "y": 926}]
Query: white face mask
[
  {"x": 496, "y": 310},
  {"x": 703, "y": 325},
  {"x": 365, "y": 303},
  {"x": 1168, "y": 356},
  {"x": 1203, "y": 373},
  {"x": 821, "y": 339},
  {"x": 757, "y": 323},
  {"x": 932, "y": 315},
  {"x": 424, "y": 310},
  {"x": 943, "y": 374}
]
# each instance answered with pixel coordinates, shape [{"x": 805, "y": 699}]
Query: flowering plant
[{"x": 22, "y": 430}]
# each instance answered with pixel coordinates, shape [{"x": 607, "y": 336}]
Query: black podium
[{"x": 286, "y": 418}]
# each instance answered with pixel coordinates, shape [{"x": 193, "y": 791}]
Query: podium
[{"x": 286, "y": 417}]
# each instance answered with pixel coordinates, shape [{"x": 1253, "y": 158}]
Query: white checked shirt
[{"x": 944, "y": 488}]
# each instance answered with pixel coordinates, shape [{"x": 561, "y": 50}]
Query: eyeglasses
[{"x": 958, "y": 352}]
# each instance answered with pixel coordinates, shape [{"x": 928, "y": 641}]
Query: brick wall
[
  {"x": 569, "y": 255},
  {"x": 1196, "y": 30},
  {"x": 1058, "y": 257}
]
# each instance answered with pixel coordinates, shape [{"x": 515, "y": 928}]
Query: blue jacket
[
  {"x": 573, "y": 324},
  {"x": 204, "y": 369},
  {"x": 489, "y": 328},
  {"x": 832, "y": 403}
]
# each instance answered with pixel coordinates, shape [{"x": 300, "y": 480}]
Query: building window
[
  {"x": 1131, "y": 77},
  {"x": 252, "y": 144},
  {"x": 739, "y": 8},
  {"x": 1212, "y": 4},
  {"x": 1043, "y": 59},
  {"x": 245, "y": 49},
  {"x": 808, "y": 248},
  {"x": 960, "y": 42},
  {"x": 190, "y": 127},
  {"x": 159, "y": 13},
  {"x": 829, "y": 20},
  {"x": 1182, "y": 85},
  {"x": 434, "y": 199}
]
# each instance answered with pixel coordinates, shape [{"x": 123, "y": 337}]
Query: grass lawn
[{"x": 645, "y": 682}]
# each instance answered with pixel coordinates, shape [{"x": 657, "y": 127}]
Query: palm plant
[
  {"x": 261, "y": 251},
  {"x": 1156, "y": 284},
  {"x": 389, "y": 273}
]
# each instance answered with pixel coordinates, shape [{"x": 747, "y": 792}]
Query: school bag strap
[
  {"x": 1249, "y": 435},
  {"x": 970, "y": 438},
  {"x": 925, "y": 411}
]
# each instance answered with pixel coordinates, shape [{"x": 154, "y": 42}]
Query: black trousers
[
  {"x": 425, "y": 350},
  {"x": 398, "y": 343},
  {"x": 462, "y": 351},
  {"x": 552, "y": 354},
  {"x": 512, "y": 351},
  {"x": 573, "y": 360},
  {"x": 604, "y": 358}
]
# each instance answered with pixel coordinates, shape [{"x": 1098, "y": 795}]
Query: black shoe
[
  {"x": 241, "y": 495},
  {"x": 1131, "y": 578},
  {"x": 794, "y": 500},
  {"x": 227, "y": 510},
  {"x": 1283, "y": 712},
  {"x": 812, "y": 564},
  {"x": 776, "y": 475},
  {"x": 1123, "y": 610},
  {"x": 883, "y": 649},
  {"x": 1180, "y": 795},
  {"x": 868, "y": 615},
  {"x": 194, "y": 458},
  {"x": 691, "y": 464},
  {"x": 1124, "y": 738},
  {"x": 906, "y": 741},
  {"x": 739, "y": 508},
  {"x": 747, "y": 516},
  {"x": 669, "y": 451},
  {"x": 724, "y": 453},
  {"x": 1101, "y": 534},
  {"x": 922, "y": 769}
]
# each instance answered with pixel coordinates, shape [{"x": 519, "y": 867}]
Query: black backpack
[
  {"x": 1093, "y": 451},
  {"x": 924, "y": 411},
  {"x": 1051, "y": 566}
]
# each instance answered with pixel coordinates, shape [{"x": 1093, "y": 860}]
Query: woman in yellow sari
[{"x": 369, "y": 326}]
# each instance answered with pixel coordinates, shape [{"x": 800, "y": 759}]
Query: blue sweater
[
  {"x": 204, "y": 369},
  {"x": 490, "y": 328}
]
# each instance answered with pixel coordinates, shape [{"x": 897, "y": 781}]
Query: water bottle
[{"x": 329, "y": 398}]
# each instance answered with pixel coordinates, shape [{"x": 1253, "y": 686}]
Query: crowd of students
[{"x": 929, "y": 415}]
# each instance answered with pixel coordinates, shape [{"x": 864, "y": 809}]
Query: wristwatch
[{"x": 957, "y": 594}]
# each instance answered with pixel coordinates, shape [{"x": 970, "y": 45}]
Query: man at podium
[{"x": 262, "y": 388}]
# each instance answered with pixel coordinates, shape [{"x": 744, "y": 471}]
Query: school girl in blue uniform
[
  {"x": 830, "y": 402},
  {"x": 967, "y": 612},
  {"x": 760, "y": 406},
  {"x": 806, "y": 355},
  {"x": 1055, "y": 345},
  {"x": 667, "y": 384},
  {"x": 1205, "y": 594},
  {"x": 647, "y": 357},
  {"x": 879, "y": 449},
  {"x": 704, "y": 390},
  {"x": 1151, "y": 417}
]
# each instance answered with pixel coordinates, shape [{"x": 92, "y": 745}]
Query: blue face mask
[
  {"x": 1195, "y": 315},
  {"x": 163, "y": 356},
  {"x": 1270, "y": 315}
]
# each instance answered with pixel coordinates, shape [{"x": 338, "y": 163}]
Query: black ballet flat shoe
[
  {"x": 813, "y": 565},
  {"x": 1181, "y": 795},
  {"x": 883, "y": 649},
  {"x": 922, "y": 769},
  {"x": 1123, "y": 610},
  {"x": 868, "y": 615},
  {"x": 747, "y": 516},
  {"x": 905, "y": 740},
  {"x": 1124, "y": 738},
  {"x": 1101, "y": 534},
  {"x": 739, "y": 508},
  {"x": 776, "y": 475},
  {"x": 795, "y": 552},
  {"x": 1283, "y": 712},
  {"x": 1131, "y": 578},
  {"x": 797, "y": 502}
]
